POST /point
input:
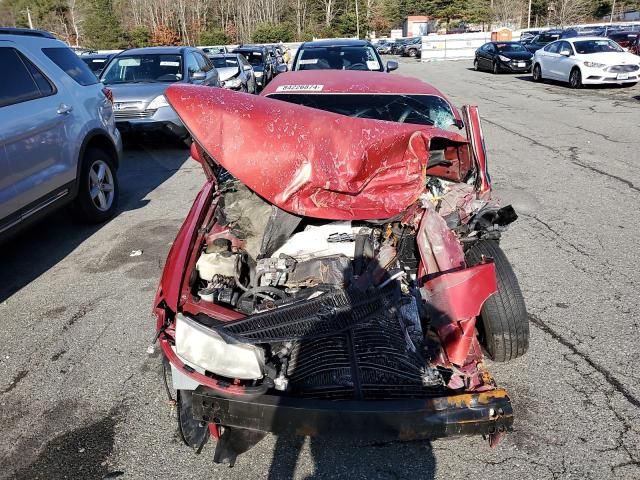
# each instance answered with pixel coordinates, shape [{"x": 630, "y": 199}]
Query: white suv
[{"x": 58, "y": 139}]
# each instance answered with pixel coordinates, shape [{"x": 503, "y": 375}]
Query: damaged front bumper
[{"x": 484, "y": 413}]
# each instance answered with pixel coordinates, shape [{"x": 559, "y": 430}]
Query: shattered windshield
[{"x": 415, "y": 109}]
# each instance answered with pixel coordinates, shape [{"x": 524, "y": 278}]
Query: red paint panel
[
  {"x": 181, "y": 250},
  {"x": 306, "y": 161}
]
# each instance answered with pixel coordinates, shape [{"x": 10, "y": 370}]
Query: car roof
[
  {"x": 346, "y": 42},
  {"x": 97, "y": 55},
  {"x": 158, "y": 50},
  {"x": 339, "y": 81},
  {"x": 27, "y": 32},
  {"x": 582, "y": 39},
  {"x": 249, "y": 48}
]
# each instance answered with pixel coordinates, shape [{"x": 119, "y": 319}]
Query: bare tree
[
  {"x": 569, "y": 12},
  {"x": 329, "y": 11},
  {"x": 507, "y": 13}
]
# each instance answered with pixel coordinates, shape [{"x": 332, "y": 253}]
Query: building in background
[{"x": 417, "y": 26}]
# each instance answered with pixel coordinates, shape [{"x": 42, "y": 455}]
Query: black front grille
[
  {"x": 372, "y": 360},
  {"x": 623, "y": 68},
  {"x": 346, "y": 345},
  {"x": 328, "y": 314}
]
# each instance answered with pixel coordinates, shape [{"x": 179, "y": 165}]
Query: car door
[
  {"x": 550, "y": 59},
  {"x": 35, "y": 117},
  {"x": 565, "y": 60},
  {"x": 490, "y": 56}
]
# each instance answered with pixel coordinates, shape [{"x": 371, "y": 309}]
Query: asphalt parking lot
[{"x": 80, "y": 397}]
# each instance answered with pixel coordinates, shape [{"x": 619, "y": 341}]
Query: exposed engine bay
[{"x": 333, "y": 308}]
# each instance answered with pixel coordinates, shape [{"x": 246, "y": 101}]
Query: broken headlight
[{"x": 205, "y": 348}]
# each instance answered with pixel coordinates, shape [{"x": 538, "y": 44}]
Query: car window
[
  {"x": 565, "y": 46},
  {"x": 596, "y": 46},
  {"x": 552, "y": 47},
  {"x": 203, "y": 63},
  {"x": 192, "y": 64},
  {"x": 223, "y": 62},
  {"x": 415, "y": 109},
  {"x": 95, "y": 64},
  {"x": 21, "y": 80},
  {"x": 71, "y": 64},
  {"x": 254, "y": 57},
  {"x": 510, "y": 47},
  {"x": 146, "y": 68},
  {"x": 338, "y": 58}
]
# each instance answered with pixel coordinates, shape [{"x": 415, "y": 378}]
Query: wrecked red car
[{"x": 340, "y": 271}]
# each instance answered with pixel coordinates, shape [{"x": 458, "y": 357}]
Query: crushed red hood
[{"x": 307, "y": 161}]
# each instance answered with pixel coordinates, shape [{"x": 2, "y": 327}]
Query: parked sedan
[
  {"x": 262, "y": 60},
  {"x": 139, "y": 77},
  {"x": 411, "y": 47},
  {"x": 235, "y": 72},
  {"x": 384, "y": 47},
  {"x": 503, "y": 57},
  {"x": 581, "y": 61}
]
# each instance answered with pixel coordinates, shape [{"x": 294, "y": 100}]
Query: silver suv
[{"x": 58, "y": 139}]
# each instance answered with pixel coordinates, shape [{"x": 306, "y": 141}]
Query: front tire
[
  {"x": 503, "y": 325},
  {"x": 475, "y": 65},
  {"x": 413, "y": 52},
  {"x": 98, "y": 188},
  {"x": 193, "y": 432},
  {"x": 575, "y": 78},
  {"x": 496, "y": 68},
  {"x": 537, "y": 73}
]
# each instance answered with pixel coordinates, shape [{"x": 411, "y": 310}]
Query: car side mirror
[
  {"x": 392, "y": 65},
  {"x": 198, "y": 76},
  {"x": 282, "y": 68},
  {"x": 565, "y": 53}
]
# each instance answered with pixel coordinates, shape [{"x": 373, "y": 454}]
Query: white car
[{"x": 586, "y": 60}]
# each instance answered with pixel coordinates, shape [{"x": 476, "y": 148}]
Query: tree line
[{"x": 106, "y": 24}]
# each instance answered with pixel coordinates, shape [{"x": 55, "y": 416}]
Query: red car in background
[
  {"x": 339, "y": 272},
  {"x": 634, "y": 44}
]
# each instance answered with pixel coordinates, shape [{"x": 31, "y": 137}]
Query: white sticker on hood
[{"x": 300, "y": 88}]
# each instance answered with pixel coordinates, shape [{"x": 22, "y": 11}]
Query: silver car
[
  {"x": 58, "y": 139},
  {"x": 139, "y": 77},
  {"x": 235, "y": 72}
]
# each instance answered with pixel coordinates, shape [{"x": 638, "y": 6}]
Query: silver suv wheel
[{"x": 101, "y": 185}]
